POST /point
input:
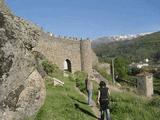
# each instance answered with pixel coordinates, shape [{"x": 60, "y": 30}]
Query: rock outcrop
[
  {"x": 3, "y": 7},
  {"x": 22, "y": 89}
]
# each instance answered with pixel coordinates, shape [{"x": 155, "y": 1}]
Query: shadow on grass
[
  {"x": 85, "y": 111},
  {"x": 78, "y": 100}
]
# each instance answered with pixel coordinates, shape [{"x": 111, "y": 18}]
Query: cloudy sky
[{"x": 91, "y": 18}]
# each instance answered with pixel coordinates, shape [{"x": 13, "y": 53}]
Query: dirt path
[
  {"x": 98, "y": 78},
  {"x": 114, "y": 88},
  {"x": 94, "y": 107}
]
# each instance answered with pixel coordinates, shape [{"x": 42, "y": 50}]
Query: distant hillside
[
  {"x": 137, "y": 49},
  {"x": 109, "y": 39}
]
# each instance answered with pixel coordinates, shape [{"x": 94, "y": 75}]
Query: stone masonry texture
[{"x": 57, "y": 50}]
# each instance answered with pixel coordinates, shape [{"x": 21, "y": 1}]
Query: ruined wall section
[{"x": 57, "y": 50}]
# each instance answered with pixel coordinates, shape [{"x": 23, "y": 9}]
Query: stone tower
[
  {"x": 86, "y": 56},
  {"x": 145, "y": 84}
]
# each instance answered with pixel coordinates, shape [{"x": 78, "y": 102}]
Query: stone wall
[
  {"x": 145, "y": 84},
  {"x": 58, "y": 49},
  {"x": 86, "y": 56}
]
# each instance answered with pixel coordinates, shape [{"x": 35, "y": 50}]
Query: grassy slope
[
  {"x": 127, "y": 106},
  {"x": 60, "y": 104}
]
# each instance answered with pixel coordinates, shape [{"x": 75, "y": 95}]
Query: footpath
[
  {"x": 94, "y": 107},
  {"x": 98, "y": 78}
]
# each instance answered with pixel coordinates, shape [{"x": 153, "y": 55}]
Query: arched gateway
[
  {"x": 67, "y": 65},
  {"x": 68, "y": 54}
]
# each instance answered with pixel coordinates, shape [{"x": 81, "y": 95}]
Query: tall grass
[{"x": 127, "y": 106}]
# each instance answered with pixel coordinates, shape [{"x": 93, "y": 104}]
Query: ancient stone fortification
[{"x": 77, "y": 53}]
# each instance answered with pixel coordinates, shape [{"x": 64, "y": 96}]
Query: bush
[
  {"x": 134, "y": 71},
  {"x": 157, "y": 74},
  {"x": 121, "y": 68},
  {"x": 80, "y": 80},
  {"x": 51, "y": 69}
]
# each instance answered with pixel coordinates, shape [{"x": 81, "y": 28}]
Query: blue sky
[{"x": 91, "y": 18}]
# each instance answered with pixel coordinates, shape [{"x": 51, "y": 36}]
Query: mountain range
[
  {"x": 133, "y": 47},
  {"x": 109, "y": 39}
]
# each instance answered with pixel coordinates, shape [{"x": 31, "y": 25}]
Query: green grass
[
  {"x": 63, "y": 103},
  {"x": 127, "y": 106},
  {"x": 95, "y": 90},
  {"x": 60, "y": 104},
  {"x": 103, "y": 72}
]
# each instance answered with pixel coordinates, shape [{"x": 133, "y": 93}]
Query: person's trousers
[
  {"x": 105, "y": 114},
  {"x": 89, "y": 97}
]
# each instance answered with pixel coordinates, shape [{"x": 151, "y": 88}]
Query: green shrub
[
  {"x": 52, "y": 69},
  {"x": 71, "y": 77},
  {"x": 95, "y": 90},
  {"x": 80, "y": 80},
  {"x": 48, "y": 67},
  {"x": 134, "y": 71},
  {"x": 120, "y": 65}
]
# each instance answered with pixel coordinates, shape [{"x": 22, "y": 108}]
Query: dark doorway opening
[{"x": 67, "y": 65}]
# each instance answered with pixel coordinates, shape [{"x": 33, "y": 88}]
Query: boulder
[{"x": 22, "y": 89}]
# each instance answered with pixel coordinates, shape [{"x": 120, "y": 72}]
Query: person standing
[
  {"x": 89, "y": 88},
  {"x": 103, "y": 100}
]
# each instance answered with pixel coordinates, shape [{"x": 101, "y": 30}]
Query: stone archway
[{"x": 67, "y": 65}]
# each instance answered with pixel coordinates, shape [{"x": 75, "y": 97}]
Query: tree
[{"x": 120, "y": 67}]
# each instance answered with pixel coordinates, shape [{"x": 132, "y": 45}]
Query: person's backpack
[{"x": 104, "y": 95}]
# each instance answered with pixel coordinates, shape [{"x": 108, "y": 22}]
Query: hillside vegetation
[
  {"x": 138, "y": 49},
  {"x": 128, "y": 106},
  {"x": 65, "y": 103},
  {"x": 135, "y": 50}
]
